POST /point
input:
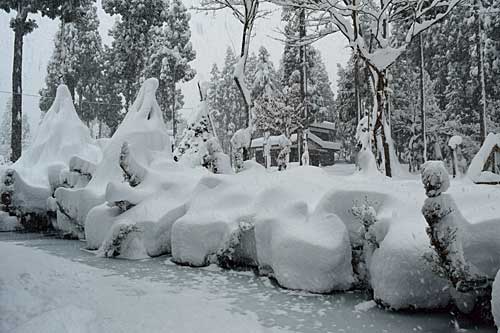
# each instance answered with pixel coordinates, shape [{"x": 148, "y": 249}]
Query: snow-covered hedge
[
  {"x": 61, "y": 136},
  {"x": 143, "y": 127}
]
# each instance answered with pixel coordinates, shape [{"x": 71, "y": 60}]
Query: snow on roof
[
  {"x": 322, "y": 143},
  {"x": 325, "y": 124},
  {"x": 275, "y": 140},
  {"x": 475, "y": 171}
]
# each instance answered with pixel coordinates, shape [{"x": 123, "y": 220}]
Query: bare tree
[
  {"x": 365, "y": 25},
  {"x": 246, "y": 12}
]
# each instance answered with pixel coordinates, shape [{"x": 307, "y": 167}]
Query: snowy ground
[{"x": 51, "y": 285}]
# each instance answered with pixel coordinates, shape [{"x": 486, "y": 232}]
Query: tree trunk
[
  {"x": 17, "y": 91},
  {"x": 482, "y": 104},
  {"x": 303, "y": 82},
  {"x": 174, "y": 119},
  {"x": 381, "y": 121},
  {"x": 422, "y": 98}
]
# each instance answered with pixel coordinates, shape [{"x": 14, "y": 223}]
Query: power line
[
  {"x": 40, "y": 96},
  {"x": 88, "y": 102}
]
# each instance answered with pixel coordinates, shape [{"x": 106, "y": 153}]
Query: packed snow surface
[{"x": 50, "y": 285}]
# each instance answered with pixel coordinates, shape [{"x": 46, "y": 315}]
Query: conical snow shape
[
  {"x": 143, "y": 130},
  {"x": 142, "y": 127},
  {"x": 60, "y": 136}
]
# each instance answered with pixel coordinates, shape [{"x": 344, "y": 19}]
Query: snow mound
[
  {"x": 476, "y": 168},
  {"x": 435, "y": 178},
  {"x": 61, "y": 136},
  {"x": 455, "y": 141},
  {"x": 142, "y": 127}
]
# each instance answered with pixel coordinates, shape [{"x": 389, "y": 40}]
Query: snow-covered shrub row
[
  {"x": 29, "y": 184},
  {"x": 300, "y": 227},
  {"x": 304, "y": 227},
  {"x": 142, "y": 127}
]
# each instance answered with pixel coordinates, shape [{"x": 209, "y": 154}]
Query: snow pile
[
  {"x": 455, "y": 141},
  {"x": 297, "y": 226},
  {"x": 476, "y": 169},
  {"x": 142, "y": 129},
  {"x": 435, "y": 178},
  {"x": 61, "y": 136}
]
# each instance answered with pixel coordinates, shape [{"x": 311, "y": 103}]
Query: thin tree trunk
[
  {"x": 174, "y": 118},
  {"x": 381, "y": 121},
  {"x": 422, "y": 98},
  {"x": 303, "y": 81},
  {"x": 482, "y": 111},
  {"x": 17, "y": 89}
]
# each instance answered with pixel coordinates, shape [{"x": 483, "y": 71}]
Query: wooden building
[{"x": 321, "y": 140}]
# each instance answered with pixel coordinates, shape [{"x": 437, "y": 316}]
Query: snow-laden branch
[{"x": 356, "y": 19}]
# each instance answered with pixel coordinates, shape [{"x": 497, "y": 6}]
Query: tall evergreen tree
[
  {"x": 319, "y": 94},
  {"x": 131, "y": 40},
  {"x": 225, "y": 101},
  {"x": 169, "y": 56},
  {"x": 76, "y": 62}
]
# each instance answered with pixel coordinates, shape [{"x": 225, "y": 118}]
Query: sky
[{"x": 212, "y": 33}]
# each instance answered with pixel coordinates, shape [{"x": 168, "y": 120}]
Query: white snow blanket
[
  {"x": 46, "y": 293},
  {"x": 475, "y": 171},
  {"x": 143, "y": 127},
  {"x": 61, "y": 136}
]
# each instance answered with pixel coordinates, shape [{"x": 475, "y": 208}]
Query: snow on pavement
[
  {"x": 50, "y": 285},
  {"x": 45, "y": 293}
]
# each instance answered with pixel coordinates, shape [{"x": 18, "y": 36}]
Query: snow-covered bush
[
  {"x": 447, "y": 233},
  {"x": 32, "y": 180},
  {"x": 143, "y": 128},
  {"x": 199, "y": 146}
]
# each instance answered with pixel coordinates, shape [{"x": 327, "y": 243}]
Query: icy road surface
[{"x": 52, "y": 285}]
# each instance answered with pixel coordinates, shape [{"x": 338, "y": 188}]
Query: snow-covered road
[{"x": 51, "y": 285}]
